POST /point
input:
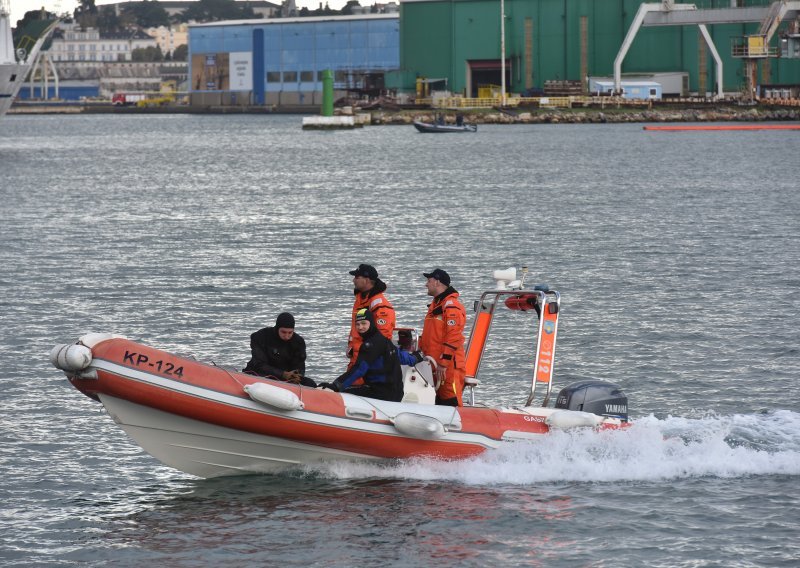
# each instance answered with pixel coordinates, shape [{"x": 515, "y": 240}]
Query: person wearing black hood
[
  {"x": 279, "y": 352},
  {"x": 378, "y": 363},
  {"x": 369, "y": 290}
]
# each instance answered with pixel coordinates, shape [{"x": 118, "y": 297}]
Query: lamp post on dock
[{"x": 502, "y": 53}]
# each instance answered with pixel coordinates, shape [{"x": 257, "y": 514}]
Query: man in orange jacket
[
  {"x": 369, "y": 293},
  {"x": 443, "y": 337}
]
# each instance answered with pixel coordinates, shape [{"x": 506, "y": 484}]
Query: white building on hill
[
  {"x": 71, "y": 43},
  {"x": 168, "y": 38},
  {"x": 262, "y": 8}
]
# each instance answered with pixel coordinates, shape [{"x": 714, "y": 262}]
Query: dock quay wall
[
  {"x": 594, "y": 116},
  {"x": 519, "y": 116}
]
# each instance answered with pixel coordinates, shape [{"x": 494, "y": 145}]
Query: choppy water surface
[{"x": 677, "y": 258}]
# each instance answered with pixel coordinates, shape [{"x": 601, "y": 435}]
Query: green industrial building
[{"x": 572, "y": 40}]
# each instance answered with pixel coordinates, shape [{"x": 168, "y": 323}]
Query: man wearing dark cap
[
  {"x": 443, "y": 337},
  {"x": 369, "y": 293},
  {"x": 278, "y": 352}
]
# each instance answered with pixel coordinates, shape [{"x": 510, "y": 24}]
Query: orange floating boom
[{"x": 726, "y": 127}]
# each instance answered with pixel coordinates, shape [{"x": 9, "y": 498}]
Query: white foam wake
[{"x": 651, "y": 449}]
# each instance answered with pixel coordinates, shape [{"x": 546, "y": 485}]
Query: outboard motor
[{"x": 598, "y": 397}]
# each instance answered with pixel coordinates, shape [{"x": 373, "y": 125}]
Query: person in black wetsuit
[
  {"x": 378, "y": 364},
  {"x": 279, "y": 352}
]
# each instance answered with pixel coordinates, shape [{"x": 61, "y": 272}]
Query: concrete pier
[{"x": 329, "y": 122}]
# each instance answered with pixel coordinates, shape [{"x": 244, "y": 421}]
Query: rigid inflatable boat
[
  {"x": 435, "y": 127},
  {"x": 212, "y": 421}
]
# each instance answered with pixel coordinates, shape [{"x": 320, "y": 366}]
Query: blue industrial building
[
  {"x": 280, "y": 61},
  {"x": 65, "y": 92}
]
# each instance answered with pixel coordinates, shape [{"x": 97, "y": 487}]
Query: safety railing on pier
[
  {"x": 752, "y": 47},
  {"x": 540, "y": 102},
  {"x": 780, "y": 102}
]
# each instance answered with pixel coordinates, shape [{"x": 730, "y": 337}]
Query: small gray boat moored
[{"x": 435, "y": 127}]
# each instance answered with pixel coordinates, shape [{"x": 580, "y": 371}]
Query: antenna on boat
[{"x": 506, "y": 279}]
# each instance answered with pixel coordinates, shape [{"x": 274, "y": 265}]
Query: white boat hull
[
  {"x": 9, "y": 88},
  {"x": 209, "y": 421},
  {"x": 208, "y": 450}
]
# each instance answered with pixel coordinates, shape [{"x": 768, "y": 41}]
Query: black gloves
[
  {"x": 418, "y": 356},
  {"x": 330, "y": 386}
]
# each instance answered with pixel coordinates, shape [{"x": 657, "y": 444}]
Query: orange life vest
[
  {"x": 443, "y": 339},
  {"x": 383, "y": 312}
]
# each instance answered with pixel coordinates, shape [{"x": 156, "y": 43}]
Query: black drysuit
[
  {"x": 271, "y": 355},
  {"x": 378, "y": 364}
]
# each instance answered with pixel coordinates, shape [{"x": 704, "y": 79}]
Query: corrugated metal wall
[{"x": 544, "y": 42}]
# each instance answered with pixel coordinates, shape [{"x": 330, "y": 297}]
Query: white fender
[
  {"x": 71, "y": 357},
  {"x": 54, "y": 354},
  {"x": 564, "y": 419},
  {"x": 92, "y": 339},
  {"x": 276, "y": 397},
  {"x": 418, "y": 426}
]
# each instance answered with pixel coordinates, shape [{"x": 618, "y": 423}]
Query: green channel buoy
[{"x": 327, "y": 92}]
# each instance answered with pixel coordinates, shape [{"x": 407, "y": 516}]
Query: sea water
[{"x": 676, "y": 255}]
